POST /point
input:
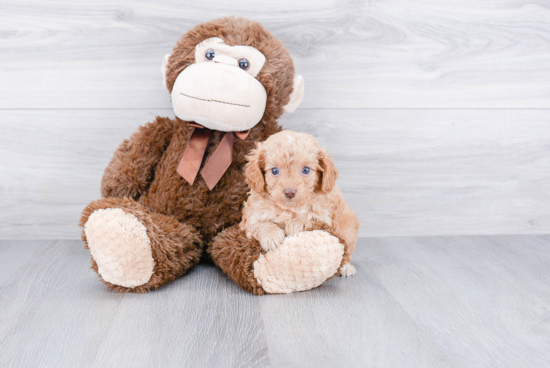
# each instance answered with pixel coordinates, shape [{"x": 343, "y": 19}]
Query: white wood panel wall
[{"x": 437, "y": 113}]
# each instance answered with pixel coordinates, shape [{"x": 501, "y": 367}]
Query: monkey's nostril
[{"x": 290, "y": 193}]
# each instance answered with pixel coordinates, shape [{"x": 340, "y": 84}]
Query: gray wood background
[{"x": 437, "y": 113}]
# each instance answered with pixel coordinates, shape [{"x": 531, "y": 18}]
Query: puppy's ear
[
  {"x": 329, "y": 172},
  {"x": 253, "y": 169}
]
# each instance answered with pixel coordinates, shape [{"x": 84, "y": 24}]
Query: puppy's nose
[{"x": 290, "y": 193}]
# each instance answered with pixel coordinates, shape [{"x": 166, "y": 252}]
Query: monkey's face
[{"x": 221, "y": 90}]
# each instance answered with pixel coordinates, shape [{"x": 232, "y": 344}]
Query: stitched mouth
[{"x": 223, "y": 102}]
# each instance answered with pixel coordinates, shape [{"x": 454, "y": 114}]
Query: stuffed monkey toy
[{"x": 174, "y": 191}]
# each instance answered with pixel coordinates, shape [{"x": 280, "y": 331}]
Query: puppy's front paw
[
  {"x": 294, "y": 227},
  {"x": 347, "y": 270},
  {"x": 272, "y": 238}
]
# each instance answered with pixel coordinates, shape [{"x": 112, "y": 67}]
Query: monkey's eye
[
  {"x": 210, "y": 54},
  {"x": 275, "y": 171},
  {"x": 244, "y": 64},
  {"x": 306, "y": 170}
]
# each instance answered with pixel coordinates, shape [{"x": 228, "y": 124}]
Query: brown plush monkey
[{"x": 174, "y": 191}]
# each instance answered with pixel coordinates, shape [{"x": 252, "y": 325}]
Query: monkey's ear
[
  {"x": 297, "y": 94},
  {"x": 164, "y": 68}
]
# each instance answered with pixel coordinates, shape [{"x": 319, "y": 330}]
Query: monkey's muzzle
[{"x": 219, "y": 97}]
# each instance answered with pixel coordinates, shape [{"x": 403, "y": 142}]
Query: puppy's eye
[
  {"x": 306, "y": 170},
  {"x": 209, "y": 54},
  {"x": 275, "y": 171}
]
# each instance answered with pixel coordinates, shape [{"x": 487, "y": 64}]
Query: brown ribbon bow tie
[{"x": 216, "y": 165}]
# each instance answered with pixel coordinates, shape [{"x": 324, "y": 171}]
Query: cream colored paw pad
[
  {"x": 302, "y": 262},
  {"x": 120, "y": 246}
]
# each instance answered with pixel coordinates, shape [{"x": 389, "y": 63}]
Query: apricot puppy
[{"x": 292, "y": 189}]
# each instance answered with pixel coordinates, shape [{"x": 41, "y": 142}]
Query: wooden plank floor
[{"x": 470, "y": 301}]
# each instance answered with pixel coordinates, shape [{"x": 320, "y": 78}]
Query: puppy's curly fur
[{"x": 293, "y": 189}]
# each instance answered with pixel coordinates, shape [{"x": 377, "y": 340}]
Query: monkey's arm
[{"x": 131, "y": 169}]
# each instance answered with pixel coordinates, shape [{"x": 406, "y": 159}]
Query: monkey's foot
[
  {"x": 302, "y": 262},
  {"x": 120, "y": 246},
  {"x": 134, "y": 249}
]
